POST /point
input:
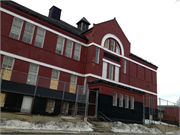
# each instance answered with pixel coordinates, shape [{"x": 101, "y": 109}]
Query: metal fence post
[
  {"x": 34, "y": 94},
  {"x": 97, "y": 92},
  {"x": 143, "y": 112},
  {"x": 63, "y": 91},
  {"x": 149, "y": 110},
  {"x": 160, "y": 108},
  {"x": 87, "y": 103},
  {"x": 2, "y": 75}
]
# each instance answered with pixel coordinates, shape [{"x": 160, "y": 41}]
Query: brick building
[{"x": 40, "y": 54}]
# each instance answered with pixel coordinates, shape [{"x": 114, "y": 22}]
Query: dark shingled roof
[
  {"x": 85, "y": 20},
  {"x": 57, "y": 23},
  {"x": 137, "y": 57}
]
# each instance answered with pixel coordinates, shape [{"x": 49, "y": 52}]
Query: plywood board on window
[
  {"x": 54, "y": 84},
  {"x": 6, "y": 74},
  {"x": 72, "y": 88},
  {"x": 50, "y": 106},
  {"x": 3, "y": 97}
]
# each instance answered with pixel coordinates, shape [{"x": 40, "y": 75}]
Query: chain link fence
[
  {"x": 160, "y": 111},
  {"x": 73, "y": 97}
]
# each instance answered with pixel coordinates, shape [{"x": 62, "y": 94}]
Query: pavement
[{"x": 41, "y": 132}]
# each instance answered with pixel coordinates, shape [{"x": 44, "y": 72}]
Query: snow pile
[
  {"x": 50, "y": 125},
  {"x": 158, "y": 122},
  {"x": 174, "y": 132},
  {"x": 120, "y": 127}
]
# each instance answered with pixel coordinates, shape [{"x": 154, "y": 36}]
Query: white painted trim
[
  {"x": 39, "y": 25},
  {"x": 74, "y": 40},
  {"x": 121, "y": 56},
  {"x": 99, "y": 77},
  {"x": 69, "y": 71},
  {"x": 105, "y": 60},
  {"x": 40, "y": 63},
  {"x": 109, "y": 35}
]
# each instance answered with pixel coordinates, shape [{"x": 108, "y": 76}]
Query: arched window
[
  {"x": 117, "y": 49},
  {"x": 112, "y": 45},
  {"x": 107, "y": 44}
]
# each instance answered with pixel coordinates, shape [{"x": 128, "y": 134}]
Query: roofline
[{"x": 137, "y": 57}]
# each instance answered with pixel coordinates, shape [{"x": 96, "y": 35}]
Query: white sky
[{"x": 151, "y": 26}]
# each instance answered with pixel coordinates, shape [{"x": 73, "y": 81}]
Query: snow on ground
[
  {"x": 158, "y": 122},
  {"x": 50, "y": 125},
  {"x": 120, "y": 127},
  {"x": 117, "y": 127}
]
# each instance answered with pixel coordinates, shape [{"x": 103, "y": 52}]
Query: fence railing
[
  {"x": 34, "y": 85},
  {"x": 157, "y": 110}
]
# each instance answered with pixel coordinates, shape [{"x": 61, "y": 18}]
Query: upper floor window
[
  {"x": 73, "y": 79},
  {"x": 112, "y": 46},
  {"x": 77, "y": 51},
  {"x": 55, "y": 74},
  {"x": 32, "y": 75},
  {"x": 16, "y": 28},
  {"x": 69, "y": 46},
  {"x": 117, "y": 49},
  {"x": 132, "y": 102},
  {"x": 97, "y": 55},
  {"x": 111, "y": 71},
  {"x": 39, "y": 37},
  {"x": 8, "y": 62},
  {"x": 124, "y": 69},
  {"x": 60, "y": 45},
  {"x": 28, "y": 33},
  {"x": 106, "y": 44}
]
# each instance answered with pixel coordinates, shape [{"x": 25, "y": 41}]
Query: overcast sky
[{"x": 151, "y": 26}]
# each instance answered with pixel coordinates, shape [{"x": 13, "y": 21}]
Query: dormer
[{"x": 83, "y": 24}]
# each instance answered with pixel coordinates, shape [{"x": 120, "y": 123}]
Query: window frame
[
  {"x": 12, "y": 61},
  {"x": 112, "y": 45},
  {"x": 120, "y": 100},
  {"x": 33, "y": 75},
  {"x": 41, "y": 36},
  {"x": 132, "y": 102},
  {"x": 97, "y": 55},
  {"x": 114, "y": 98},
  {"x": 107, "y": 41},
  {"x": 124, "y": 66},
  {"x": 60, "y": 44},
  {"x": 127, "y": 101},
  {"x": 57, "y": 75},
  {"x": 110, "y": 72},
  {"x": 79, "y": 51},
  {"x": 117, "y": 49},
  {"x": 70, "y": 48},
  {"x": 76, "y": 77},
  {"x": 28, "y": 33},
  {"x": 20, "y": 30}
]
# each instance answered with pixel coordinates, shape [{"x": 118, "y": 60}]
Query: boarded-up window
[
  {"x": 3, "y": 98},
  {"x": 6, "y": 69},
  {"x": 50, "y": 106},
  {"x": 26, "y": 104},
  {"x": 114, "y": 98},
  {"x": 73, "y": 81},
  {"x": 54, "y": 79},
  {"x": 65, "y": 108}
]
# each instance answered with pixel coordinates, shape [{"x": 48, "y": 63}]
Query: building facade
[{"x": 45, "y": 56}]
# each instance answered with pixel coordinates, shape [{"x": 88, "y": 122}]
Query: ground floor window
[
  {"x": 50, "y": 106},
  {"x": 114, "y": 98},
  {"x": 126, "y": 101},
  {"x": 120, "y": 100},
  {"x": 132, "y": 102}
]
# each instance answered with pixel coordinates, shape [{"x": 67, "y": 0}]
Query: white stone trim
[
  {"x": 109, "y": 35},
  {"x": 69, "y": 71},
  {"x": 105, "y": 60}
]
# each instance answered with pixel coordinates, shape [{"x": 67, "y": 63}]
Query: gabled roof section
[
  {"x": 137, "y": 57},
  {"x": 84, "y": 20},
  {"x": 57, "y": 23}
]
